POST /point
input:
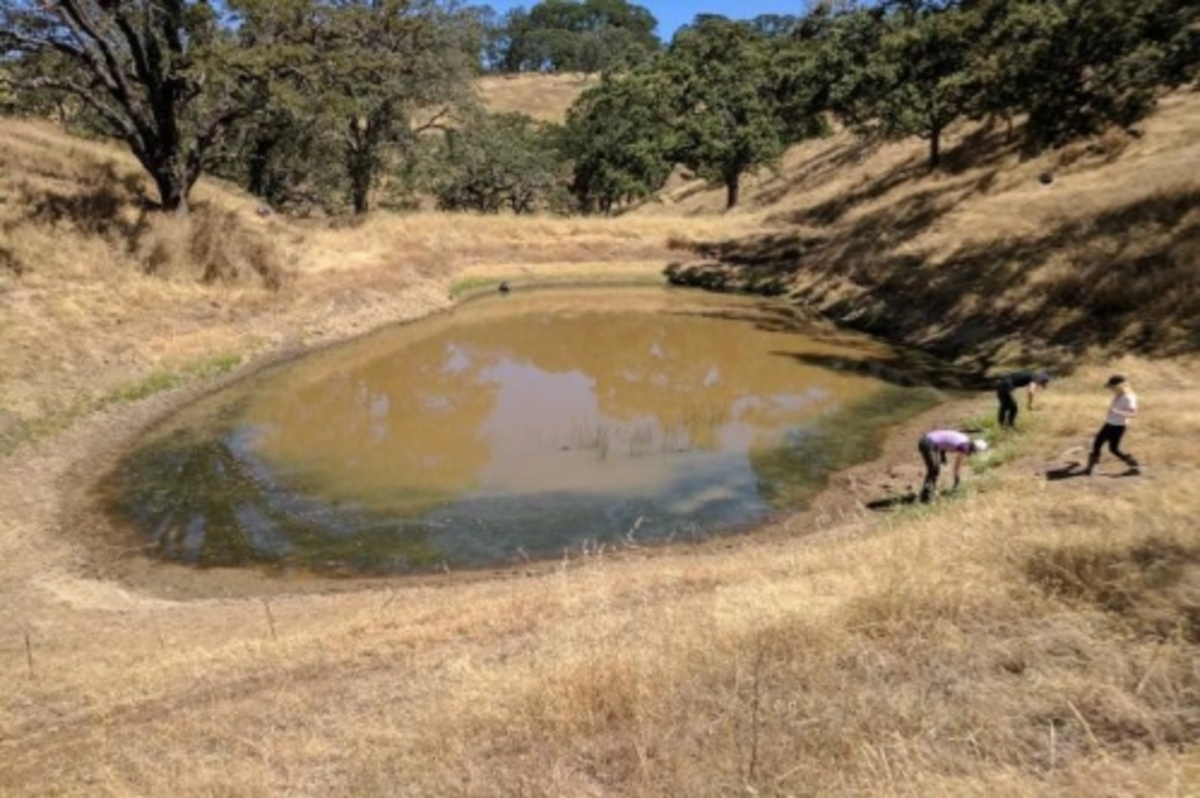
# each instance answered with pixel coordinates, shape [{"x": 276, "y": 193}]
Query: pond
[{"x": 516, "y": 426}]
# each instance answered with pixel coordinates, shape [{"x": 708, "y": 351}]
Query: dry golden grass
[
  {"x": 98, "y": 291},
  {"x": 1016, "y": 270},
  {"x": 544, "y": 97},
  {"x": 1036, "y": 636}
]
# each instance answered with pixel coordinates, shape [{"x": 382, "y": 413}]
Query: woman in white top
[{"x": 1122, "y": 409}]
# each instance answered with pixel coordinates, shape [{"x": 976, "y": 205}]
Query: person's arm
[
  {"x": 958, "y": 461},
  {"x": 1029, "y": 392}
]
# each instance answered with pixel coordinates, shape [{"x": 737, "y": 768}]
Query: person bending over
[
  {"x": 1031, "y": 381},
  {"x": 934, "y": 447}
]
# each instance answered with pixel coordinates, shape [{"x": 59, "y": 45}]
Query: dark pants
[
  {"x": 1008, "y": 407},
  {"x": 1111, "y": 434},
  {"x": 933, "y": 468}
]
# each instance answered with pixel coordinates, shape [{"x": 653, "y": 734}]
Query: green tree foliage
[
  {"x": 1076, "y": 66},
  {"x": 282, "y": 152},
  {"x": 357, "y": 78},
  {"x": 903, "y": 69},
  {"x": 1072, "y": 67},
  {"x": 161, "y": 75},
  {"x": 619, "y": 137},
  {"x": 494, "y": 163},
  {"x": 573, "y": 36},
  {"x": 741, "y": 99},
  {"x": 382, "y": 63}
]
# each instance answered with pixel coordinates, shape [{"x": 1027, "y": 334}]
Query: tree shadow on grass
[
  {"x": 1129, "y": 270},
  {"x": 819, "y": 169},
  {"x": 986, "y": 146},
  {"x": 100, "y": 206},
  {"x": 906, "y": 369},
  {"x": 9, "y": 262}
]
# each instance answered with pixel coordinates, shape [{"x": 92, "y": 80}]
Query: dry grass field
[
  {"x": 544, "y": 97},
  {"x": 1037, "y": 635}
]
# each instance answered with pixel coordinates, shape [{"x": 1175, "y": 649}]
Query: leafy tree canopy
[
  {"x": 161, "y": 75},
  {"x": 497, "y": 162},
  {"x": 741, "y": 98},
  {"x": 574, "y": 36},
  {"x": 1075, "y": 66},
  {"x": 620, "y": 139},
  {"x": 353, "y": 81}
]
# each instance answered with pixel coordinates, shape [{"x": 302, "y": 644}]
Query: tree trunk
[
  {"x": 733, "y": 188},
  {"x": 360, "y": 191},
  {"x": 935, "y": 147},
  {"x": 259, "y": 166},
  {"x": 172, "y": 190},
  {"x": 359, "y": 164}
]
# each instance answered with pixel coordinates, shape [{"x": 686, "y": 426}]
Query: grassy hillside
[
  {"x": 101, "y": 298},
  {"x": 1037, "y": 635},
  {"x": 982, "y": 262},
  {"x": 544, "y": 97}
]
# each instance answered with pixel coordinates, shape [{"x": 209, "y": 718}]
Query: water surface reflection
[{"x": 515, "y": 426}]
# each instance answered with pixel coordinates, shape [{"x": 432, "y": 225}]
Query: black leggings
[
  {"x": 1008, "y": 407},
  {"x": 1111, "y": 434},
  {"x": 933, "y": 468}
]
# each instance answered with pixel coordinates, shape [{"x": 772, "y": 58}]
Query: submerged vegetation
[{"x": 853, "y": 434}]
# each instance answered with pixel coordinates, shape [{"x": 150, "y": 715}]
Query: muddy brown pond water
[{"x": 515, "y": 427}]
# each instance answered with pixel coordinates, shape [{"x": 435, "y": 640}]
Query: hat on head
[
  {"x": 1114, "y": 381},
  {"x": 979, "y": 445}
]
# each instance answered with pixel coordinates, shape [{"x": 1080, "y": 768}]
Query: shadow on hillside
[
  {"x": 1150, "y": 584},
  {"x": 213, "y": 244},
  {"x": 9, "y": 262},
  {"x": 904, "y": 369},
  {"x": 1128, "y": 280},
  {"x": 830, "y": 211},
  {"x": 819, "y": 169},
  {"x": 100, "y": 206},
  {"x": 983, "y": 148}
]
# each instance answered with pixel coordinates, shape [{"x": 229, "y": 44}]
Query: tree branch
[
  {"x": 83, "y": 29},
  {"x": 85, "y": 93}
]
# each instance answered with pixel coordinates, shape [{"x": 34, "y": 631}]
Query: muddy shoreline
[{"x": 95, "y": 444}]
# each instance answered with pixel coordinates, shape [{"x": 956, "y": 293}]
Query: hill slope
[
  {"x": 544, "y": 97},
  {"x": 1038, "y": 634},
  {"x": 982, "y": 262}
]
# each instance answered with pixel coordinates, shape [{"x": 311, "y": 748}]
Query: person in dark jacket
[{"x": 1031, "y": 381}]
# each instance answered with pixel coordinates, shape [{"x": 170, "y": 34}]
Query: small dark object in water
[
  {"x": 504, "y": 288},
  {"x": 1046, "y": 178}
]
